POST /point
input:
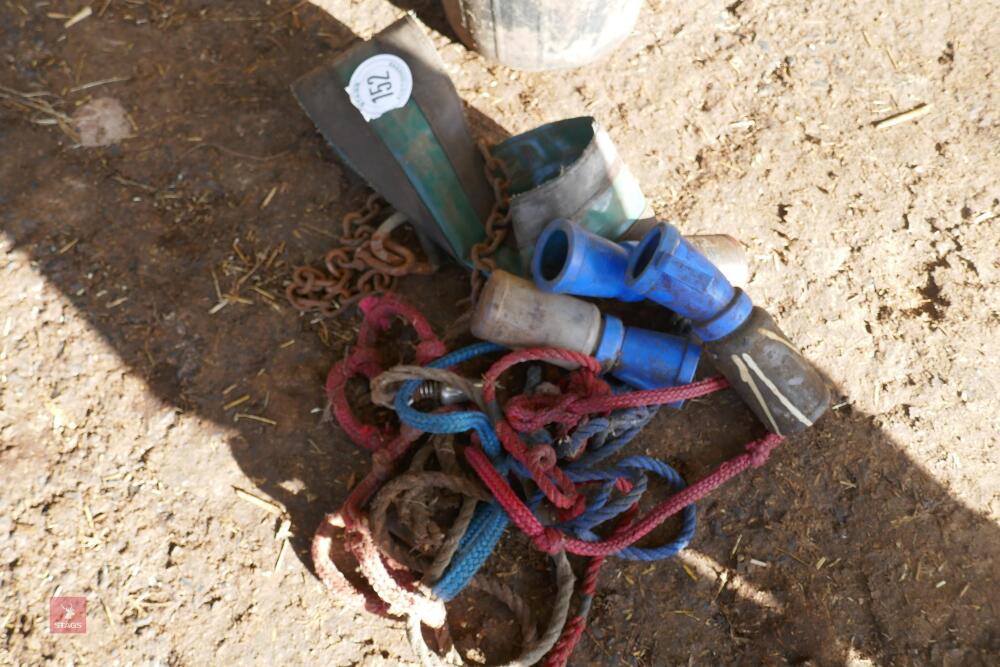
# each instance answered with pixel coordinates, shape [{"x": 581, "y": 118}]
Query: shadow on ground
[{"x": 853, "y": 536}]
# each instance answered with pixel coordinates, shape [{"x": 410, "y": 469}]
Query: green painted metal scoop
[{"x": 392, "y": 114}]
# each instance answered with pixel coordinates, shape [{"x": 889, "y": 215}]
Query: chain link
[
  {"x": 366, "y": 261},
  {"x": 497, "y": 224}
]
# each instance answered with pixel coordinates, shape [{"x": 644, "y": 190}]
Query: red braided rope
[
  {"x": 586, "y": 393},
  {"x": 551, "y": 540},
  {"x": 364, "y": 361},
  {"x": 392, "y": 588},
  {"x": 573, "y": 631},
  {"x": 332, "y": 577},
  {"x": 530, "y": 413},
  {"x": 551, "y": 354},
  {"x": 379, "y": 312},
  {"x": 551, "y": 480}
]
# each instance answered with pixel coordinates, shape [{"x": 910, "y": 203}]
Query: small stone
[{"x": 102, "y": 122}]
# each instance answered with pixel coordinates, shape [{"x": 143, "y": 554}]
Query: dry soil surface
[{"x": 871, "y": 539}]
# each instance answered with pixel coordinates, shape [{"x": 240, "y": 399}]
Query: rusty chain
[
  {"x": 367, "y": 261},
  {"x": 497, "y": 223}
]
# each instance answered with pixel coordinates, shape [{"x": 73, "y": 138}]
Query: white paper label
[{"x": 381, "y": 83}]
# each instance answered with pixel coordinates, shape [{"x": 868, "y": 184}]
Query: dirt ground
[{"x": 871, "y": 539}]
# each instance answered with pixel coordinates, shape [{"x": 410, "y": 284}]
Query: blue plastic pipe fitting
[
  {"x": 646, "y": 359},
  {"x": 667, "y": 269},
  {"x": 569, "y": 259},
  {"x": 772, "y": 377},
  {"x": 512, "y": 312}
]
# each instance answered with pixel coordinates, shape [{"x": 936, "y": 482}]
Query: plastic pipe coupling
[
  {"x": 512, "y": 312},
  {"x": 569, "y": 259},
  {"x": 780, "y": 385}
]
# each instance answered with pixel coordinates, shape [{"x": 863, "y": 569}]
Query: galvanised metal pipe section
[
  {"x": 512, "y": 312},
  {"x": 783, "y": 389}
]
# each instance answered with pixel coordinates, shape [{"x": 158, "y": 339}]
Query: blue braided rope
[
  {"x": 594, "y": 431},
  {"x": 485, "y": 530},
  {"x": 622, "y": 427},
  {"x": 688, "y": 515},
  {"x": 599, "y": 509},
  {"x": 489, "y": 521},
  {"x": 596, "y": 511},
  {"x": 452, "y": 422},
  {"x": 594, "y": 515}
]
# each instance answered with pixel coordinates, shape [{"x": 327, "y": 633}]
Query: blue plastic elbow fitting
[
  {"x": 772, "y": 377},
  {"x": 667, "y": 269},
  {"x": 569, "y": 259},
  {"x": 646, "y": 359}
]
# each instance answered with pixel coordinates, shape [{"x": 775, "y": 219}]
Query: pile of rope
[{"x": 543, "y": 460}]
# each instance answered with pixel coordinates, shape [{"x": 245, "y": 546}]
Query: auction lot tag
[{"x": 380, "y": 84}]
